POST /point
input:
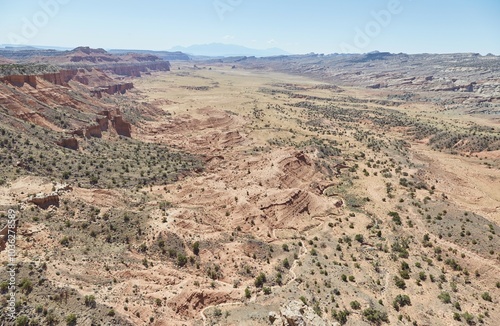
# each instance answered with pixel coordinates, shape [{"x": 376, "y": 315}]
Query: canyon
[{"x": 294, "y": 190}]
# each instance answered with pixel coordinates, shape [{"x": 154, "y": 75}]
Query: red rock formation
[
  {"x": 112, "y": 89},
  {"x": 121, "y": 126},
  {"x": 60, "y": 78},
  {"x": 3, "y": 237},
  {"x": 88, "y": 131},
  {"x": 82, "y": 132},
  {"x": 71, "y": 143},
  {"x": 134, "y": 70},
  {"x": 103, "y": 123},
  {"x": 94, "y": 131},
  {"x": 20, "y": 80},
  {"x": 107, "y": 114},
  {"x": 45, "y": 201}
]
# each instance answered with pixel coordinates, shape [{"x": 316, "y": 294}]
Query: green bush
[
  {"x": 340, "y": 316},
  {"x": 71, "y": 320},
  {"x": 90, "y": 301},
  {"x": 26, "y": 285},
  {"x": 22, "y": 320},
  {"x": 375, "y": 316},
  {"x": 355, "y": 305},
  {"x": 196, "y": 248},
  {"x": 181, "y": 260},
  {"x": 260, "y": 280},
  {"x": 400, "y": 283},
  {"x": 486, "y": 296},
  {"x": 401, "y": 301},
  {"x": 395, "y": 217},
  {"x": 445, "y": 297}
]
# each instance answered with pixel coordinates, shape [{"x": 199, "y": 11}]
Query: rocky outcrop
[
  {"x": 190, "y": 303},
  {"x": 3, "y": 237},
  {"x": 94, "y": 131},
  {"x": 134, "y": 70},
  {"x": 122, "y": 127},
  {"x": 112, "y": 89},
  {"x": 70, "y": 143},
  {"x": 295, "y": 313},
  {"x": 20, "y": 80},
  {"x": 103, "y": 123},
  {"x": 44, "y": 201},
  {"x": 63, "y": 76},
  {"x": 60, "y": 78},
  {"x": 88, "y": 131}
]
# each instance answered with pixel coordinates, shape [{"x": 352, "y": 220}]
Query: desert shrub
[
  {"x": 71, "y": 320},
  {"x": 90, "y": 301},
  {"x": 340, "y": 316},
  {"x": 469, "y": 318},
  {"x": 486, "y": 296},
  {"x": 375, "y": 316},
  {"x": 196, "y": 247},
  {"x": 395, "y": 217},
  {"x": 65, "y": 241},
  {"x": 444, "y": 297},
  {"x": 22, "y": 320},
  {"x": 217, "y": 312},
  {"x": 181, "y": 259},
  {"x": 355, "y": 305},
  {"x": 400, "y": 283},
  {"x": 26, "y": 285},
  {"x": 400, "y": 301},
  {"x": 260, "y": 280}
]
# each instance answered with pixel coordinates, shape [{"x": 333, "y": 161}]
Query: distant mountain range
[
  {"x": 200, "y": 50},
  {"x": 227, "y": 50},
  {"x": 23, "y": 47}
]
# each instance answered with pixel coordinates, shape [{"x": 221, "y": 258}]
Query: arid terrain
[{"x": 251, "y": 191}]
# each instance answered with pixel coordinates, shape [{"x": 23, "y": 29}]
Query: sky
[{"x": 296, "y": 26}]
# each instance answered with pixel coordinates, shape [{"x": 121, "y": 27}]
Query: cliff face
[
  {"x": 112, "y": 89},
  {"x": 94, "y": 131},
  {"x": 63, "y": 76},
  {"x": 121, "y": 126},
  {"x": 20, "y": 80},
  {"x": 58, "y": 78},
  {"x": 103, "y": 123},
  {"x": 134, "y": 70}
]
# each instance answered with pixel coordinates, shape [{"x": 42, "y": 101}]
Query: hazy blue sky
[{"x": 297, "y": 26}]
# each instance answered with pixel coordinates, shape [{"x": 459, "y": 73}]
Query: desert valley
[{"x": 289, "y": 190}]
